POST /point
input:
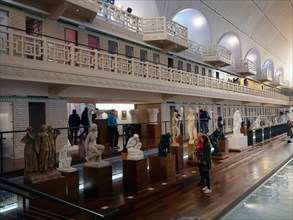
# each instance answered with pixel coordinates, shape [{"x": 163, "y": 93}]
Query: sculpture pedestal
[
  {"x": 53, "y": 187},
  {"x": 162, "y": 167},
  {"x": 97, "y": 180},
  {"x": 72, "y": 185},
  {"x": 178, "y": 152},
  {"x": 124, "y": 155},
  {"x": 224, "y": 149},
  {"x": 154, "y": 130},
  {"x": 237, "y": 142},
  {"x": 190, "y": 151},
  {"x": 135, "y": 175}
]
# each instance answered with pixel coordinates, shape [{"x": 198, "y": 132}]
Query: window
[
  {"x": 196, "y": 69},
  {"x": 112, "y": 47},
  {"x": 156, "y": 58},
  {"x": 203, "y": 71},
  {"x": 210, "y": 73},
  {"x": 143, "y": 55},
  {"x": 180, "y": 65},
  {"x": 70, "y": 36},
  {"x": 93, "y": 42},
  {"x": 33, "y": 26},
  {"x": 170, "y": 62},
  {"x": 128, "y": 51},
  {"x": 188, "y": 67}
]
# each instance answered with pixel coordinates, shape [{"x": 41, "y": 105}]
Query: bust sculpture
[
  {"x": 93, "y": 150},
  {"x": 190, "y": 126},
  {"x": 175, "y": 129},
  {"x": 65, "y": 161},
  {"x": 133, "y": 148},
  {"x": 237, "y": 122}
]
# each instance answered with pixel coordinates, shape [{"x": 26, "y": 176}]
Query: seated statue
[
  {"x": 93, "y": 150},
  {"x": 133, "y": 148},
  {"x": 65, "y": 161},
  {"x": 164, "y": 145}
]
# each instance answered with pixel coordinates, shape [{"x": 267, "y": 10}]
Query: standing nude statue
[
  {"x": 175, "y": 128},
  {"x": 190, "y": 126}
]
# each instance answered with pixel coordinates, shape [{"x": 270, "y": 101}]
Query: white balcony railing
[
  {"x": 17, "y": 44},
  {"x": 114, "y": 15},
  {"x": 245, "y": 67},
  {"x": 265, "y": 75},
  {"x": 278, "y": 80}
]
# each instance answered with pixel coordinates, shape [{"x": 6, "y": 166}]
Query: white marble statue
[
  {"x": 237, "y": 122},
  {"x": 133, "y": 148},
  {"x": 175, "y": 129},
  {"x": 190, "y": 126},
  {"x": 256, "y": 123},
  {"x": 65, "y": 161},
  {"x": 93, "y": 150}
]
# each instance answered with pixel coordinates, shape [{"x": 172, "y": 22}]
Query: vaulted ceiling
[{"x": 265, "y": 25}]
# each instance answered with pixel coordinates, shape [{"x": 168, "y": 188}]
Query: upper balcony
[
  {"x": 43, "y": 59},
  {"x": 165, "y": 34},
  {"x": 266, "y": 75},
  {"x": 216, "y": 55},
  {"x": 278, "y": 81},
  {"x": 245, "y": 67},
  {"x": 85, "y": 10}
]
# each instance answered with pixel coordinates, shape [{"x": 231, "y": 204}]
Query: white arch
[
  {"x": 199, "y": 30},
  {"x": 231, "y": 41},
  {"x": 254, "y": 56}
]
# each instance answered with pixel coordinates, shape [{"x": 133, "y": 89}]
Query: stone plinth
[
  {"x": 72, "y": 185},
  {"x": 162, "y": 167},
  {"x": 97, "y": 180},
  {"x": 237, "y": 142},
  {"x": 190, "y": 151},
  {"x": 135, "y": 175}
]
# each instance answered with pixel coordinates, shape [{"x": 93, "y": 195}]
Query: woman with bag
[{"x": 206, "y": 163}]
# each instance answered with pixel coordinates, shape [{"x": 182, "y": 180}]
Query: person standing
[
  {"x": 74, "y": 122},
  {"x": 198, "y": 152},
  {"x": 113, "y": 130},
  {"x": 85, "y": 122},
  {"x": 204, "y": 120},
  {"x": 206, "y": 163}
]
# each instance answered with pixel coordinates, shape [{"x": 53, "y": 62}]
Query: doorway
[
  {"x": 6, "y": 124},
  {"x": 37, "y": 115}
]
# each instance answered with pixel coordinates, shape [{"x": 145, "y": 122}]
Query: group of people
[{"x": 75, "y": 121}]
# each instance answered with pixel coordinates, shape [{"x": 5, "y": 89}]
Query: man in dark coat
[{"x": 74, "y": 122}]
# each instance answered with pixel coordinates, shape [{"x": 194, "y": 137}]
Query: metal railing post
[{"x": 1, "y": 153}]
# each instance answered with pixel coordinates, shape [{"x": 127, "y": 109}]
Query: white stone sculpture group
[
  {"x": 237, "y": 122},
  {"x": 133, "y": 148}
]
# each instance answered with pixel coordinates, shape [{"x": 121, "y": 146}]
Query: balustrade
[
  {"x": 43, "y": 49},
  {"x": 265, "y": 75}
]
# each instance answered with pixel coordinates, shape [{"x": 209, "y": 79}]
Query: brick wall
[{"x": 56, "y": 116}]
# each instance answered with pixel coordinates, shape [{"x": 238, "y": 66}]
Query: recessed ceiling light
[{"x": 76, "y": 10}]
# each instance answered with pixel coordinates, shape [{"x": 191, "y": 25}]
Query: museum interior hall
[{"x": 146, "y": 109}]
